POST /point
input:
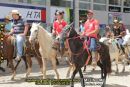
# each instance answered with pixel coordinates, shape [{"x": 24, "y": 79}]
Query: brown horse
[
  {"x": 30, "y": 50},
  {"x": 80, "y": 54}
]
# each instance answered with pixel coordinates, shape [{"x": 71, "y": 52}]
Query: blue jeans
[
  {"x": 93, "y": 44},
  {"x": 20, "y": 40},
  {"x": 120, "y": 41}
]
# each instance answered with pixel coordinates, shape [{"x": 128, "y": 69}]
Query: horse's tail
[
  {"x": 108, "y": 65},
  {"x": 105, "y": 53},
  {"x": 108, "y": 62}
]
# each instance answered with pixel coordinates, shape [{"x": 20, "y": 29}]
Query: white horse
[
  {"x": 45, "y": 41},
  {"x": 116, "y": 53},
  {"x": 126, "y": 38}
]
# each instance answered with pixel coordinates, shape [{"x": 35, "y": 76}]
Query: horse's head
[
  {"x": 34, "y": 32},
  {"x": 69, "y": 32}
]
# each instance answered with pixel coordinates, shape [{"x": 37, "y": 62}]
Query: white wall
[
  {"x": 102, "y": 16},
  {"x": 126, "y": 18}
]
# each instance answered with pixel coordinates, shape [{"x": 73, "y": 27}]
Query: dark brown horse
[
  {"x": 79, "y": 55},
  {"x": 30, "y": 51}
]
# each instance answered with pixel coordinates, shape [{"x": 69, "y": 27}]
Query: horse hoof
[
  {"x": 12, "y": 78},
  {"x": 117, "y": 72},
  {"x": 67, "y": 76},
  {"x": 123, "y": 71}
]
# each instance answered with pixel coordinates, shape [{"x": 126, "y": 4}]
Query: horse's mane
[{"x": 48, "y": 33}]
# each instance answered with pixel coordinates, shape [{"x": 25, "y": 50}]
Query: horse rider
[
  {"x": 8, "y": 24},
  {"x": 91, "y": 30},
  {"x": 58, "y": 26},
  {"x": 19, "y": 30},
  {"x": 118, "y": 33}
]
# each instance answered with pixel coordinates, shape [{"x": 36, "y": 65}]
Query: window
[
  {"x": 65, "y": 3},
  {"x": 115, "y": 2},
  {"x": 126, "y": 2},
  {"x": 99, "y": 7},
  {"x": 100, "y": 1},
  {"x": 84, "y": 5},
  {"x": 38, "y": 2},
  {"x": 86, "y": 0}
]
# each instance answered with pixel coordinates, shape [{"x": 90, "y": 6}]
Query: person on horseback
[
  {"x": 91, "y": 32},
  {"x": 118, "y": 33},
  {"x": 58, "y": 26},
  {"x": 19, "y": 30},
  {"x": 8, "y": 24}
]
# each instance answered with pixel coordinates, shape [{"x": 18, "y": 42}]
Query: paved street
[{"x": 119, "y": 80}]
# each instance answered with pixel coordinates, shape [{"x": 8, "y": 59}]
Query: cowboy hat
[
  {"x": 90, "y": 11},
  {"x": 15, "y": 12},
  {"x": 7, "y": 17}
]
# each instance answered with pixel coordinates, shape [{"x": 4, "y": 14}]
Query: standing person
[
  {"x": 91, "y": 32},
  {"x": 19, "y": 30},
  {"x": 58, "y": 26},
  {"x": 81, "y": 26},
  {"x": 8, "y": 24}
]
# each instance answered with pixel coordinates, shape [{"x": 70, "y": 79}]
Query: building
[{"x": 105, "y": 10}]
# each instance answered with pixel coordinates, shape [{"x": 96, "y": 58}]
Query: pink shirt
[
  {"x": 58, "y": 26},
  {"x": 91, "y": 25}
]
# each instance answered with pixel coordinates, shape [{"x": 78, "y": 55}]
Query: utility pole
[
  {"x": 76, "y": 14},
  {"x": 48, "y": 6}
]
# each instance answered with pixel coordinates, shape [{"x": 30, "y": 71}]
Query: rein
[{"x": 85, "y": 47}]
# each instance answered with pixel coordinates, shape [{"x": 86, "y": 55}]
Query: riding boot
[
  {"x": 94, "y": 59},
  {"x": 61, "y": 51}
]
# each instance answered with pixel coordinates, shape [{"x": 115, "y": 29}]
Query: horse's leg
[
  {"x": 14, "y": 69},
  {"x": 29, "y": 62},
  {"x": 101, "y": 66},
  {"x": 73, "y": 76},
  {"x": 53, "y": 60},
  {"x": 117, "y": 60},
  {"x": 84, "y": 68},
  {"x": 68, "y": 72},
  {"x": 25, "y": 61},
  {"x": 82, "y": 78},
  {"x": 57, "y": 61},
  {"x": 39, "y": 59},
  {"x": 7, "y": 63},
  {"x": 44, "y": 67},
  {"x": 105, "y": 74}
]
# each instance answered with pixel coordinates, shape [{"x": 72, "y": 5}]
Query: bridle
[{"x": 33, "y": 44}]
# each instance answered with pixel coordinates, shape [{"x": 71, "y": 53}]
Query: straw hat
[
  {"x": 115, "y": 21},
  {"x": 7, "y": 17}
]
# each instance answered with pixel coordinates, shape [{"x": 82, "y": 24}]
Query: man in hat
[
  {"x": 19, "y": 30},
  {"x": 91, "y": 30},
  {"x": 8, "y": 24}
]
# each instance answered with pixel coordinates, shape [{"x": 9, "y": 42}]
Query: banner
[
  {"x": 30, "y": 13},
  {"x": 112, "y": 16}
]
